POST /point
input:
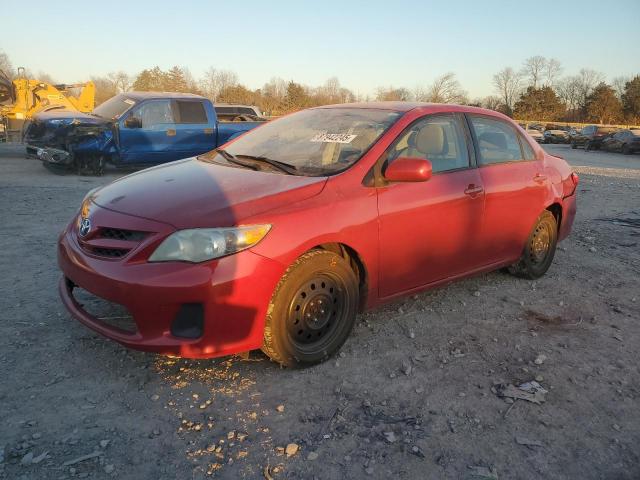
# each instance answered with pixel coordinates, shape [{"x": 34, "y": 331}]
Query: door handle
[
  {"x": 539, "y": 178},
  {"x": 473, "y": 190},
  {"x": 171, "y": 132}
]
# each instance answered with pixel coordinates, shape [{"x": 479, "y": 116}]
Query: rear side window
[
  {"x": 191, "y": 112},
  {"x": 438, "y": 138},
  {"x": 527, "y": 151},
  {"x": 497, "y": 141},
  {"x": 605, "y": 130}
]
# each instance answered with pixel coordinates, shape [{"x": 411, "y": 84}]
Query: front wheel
[
  {"x": 574, "y": 145},
  {"x": 540, "y": 248},
  {"x": 312, "y": 310},
  {"x": 626, "y": 150}
]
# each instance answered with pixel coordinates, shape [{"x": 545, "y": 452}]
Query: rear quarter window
[{"x": 191, "y": 112}]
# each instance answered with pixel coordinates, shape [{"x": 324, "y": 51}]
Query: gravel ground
[{"x": 414, "y": 392}]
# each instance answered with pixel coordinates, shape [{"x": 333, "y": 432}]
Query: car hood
[
  {"x": 56, "y": 127},
  {"x": 192, "y": 193}
]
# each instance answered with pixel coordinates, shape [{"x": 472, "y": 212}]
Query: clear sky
[{"x": 364, "y": 43}]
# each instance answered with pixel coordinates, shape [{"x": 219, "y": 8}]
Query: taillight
[
  {"x": 575, "y": 179},
  {"x": 570, "y": 184}
]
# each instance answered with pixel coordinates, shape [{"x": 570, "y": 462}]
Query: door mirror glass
[{"x": 408, "y": 169}]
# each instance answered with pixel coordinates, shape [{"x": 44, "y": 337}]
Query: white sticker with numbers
[{"x": 333, "y": 137}]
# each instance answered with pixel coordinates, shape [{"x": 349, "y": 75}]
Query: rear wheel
[
  {"x": 312, "y": 310},
  {"x": 574, "y": 145},
  {"x": 587, "y": 146},
  {"x": 540, "y": 248},
  {"x": 626, "y": 150}
]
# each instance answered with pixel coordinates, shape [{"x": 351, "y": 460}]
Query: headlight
[{"x": 201, "y": 244}]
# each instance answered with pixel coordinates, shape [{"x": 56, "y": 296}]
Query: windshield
[
  {"x": 315, "y": 142},
  {"x": 114, "y": 107}
]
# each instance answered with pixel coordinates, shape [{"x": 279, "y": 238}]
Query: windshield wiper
[
  {"x": 282, "y": 166},
  {"x": 233, "y": 159}
]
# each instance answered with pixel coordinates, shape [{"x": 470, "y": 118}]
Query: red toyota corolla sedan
[{"x": 277, "y": 240}]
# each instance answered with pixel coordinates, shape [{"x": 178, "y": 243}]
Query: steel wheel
[
  {"x": 539, "y": 250},
  {"x": 315, "y": 311},
  {"x": 540, "y": 243}
]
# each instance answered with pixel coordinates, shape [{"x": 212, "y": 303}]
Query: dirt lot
[{"x": 411, "y": 395}]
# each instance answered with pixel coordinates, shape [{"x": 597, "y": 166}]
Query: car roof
[
  {"x": 408, "y": 106},
  {"x": 154, "y": 95}
]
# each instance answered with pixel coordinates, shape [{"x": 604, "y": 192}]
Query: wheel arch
[
  {"x": 556, "y": 209},
  {"x": 355, "y": 261}
]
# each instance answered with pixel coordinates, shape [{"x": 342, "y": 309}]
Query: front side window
[
  {"x": 317, "y": 142},
  {"x": 437, "y": 138},
  {"x": 154, "y": 113},
  {"x": 497, "y": 141}
]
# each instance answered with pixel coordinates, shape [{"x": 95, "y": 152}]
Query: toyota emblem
[{"x": 85, "y": 227}]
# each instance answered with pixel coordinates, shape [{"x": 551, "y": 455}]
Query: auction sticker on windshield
[{"x": 333, "y": 137}]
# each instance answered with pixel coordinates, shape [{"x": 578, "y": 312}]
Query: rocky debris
[
  {"x": 104, "y": 443},
  {"x": 155, "y": 397},
  {"x": 312, "y": 456},
  {"x": 529, "y": 391},
  {"x": 389, "y": 437},
  {"x": 82, "y": 458},
  {"x": 486, "y": 473},
  {"x": 109, "y": 468},
  {"x": 291, "y": 449},
  {"x": 540, "y": 359},
  {"x": 528, "y": 442},
  {"x": 280, "y": 408},
  {"x": 407, "y": 368}
]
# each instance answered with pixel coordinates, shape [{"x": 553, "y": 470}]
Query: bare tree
[
  {"x": 444, "y": 89},
  {"x": 491, "y": 102},
  {"x": 588, "y": 80},
  {"x": 6, "y": 65},
  {"x": 568, "y": 89},
  {"x": 533, "y": 69},
  {"x": 619, "y": 85},
  {"x": 121, "y": 81},
  {"x": 552, "y": 71},
  {"x": 507, "y": 84},
  {"x": 215, "y": 81},
  {"x": 392, "y": 94}
]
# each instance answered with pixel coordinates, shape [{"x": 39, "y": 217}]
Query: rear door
[
  {"x": 515, "y": 188},
  {"x": 194, "y": 131},
  {"x": 427, "y": 230},
  {"x": 152, "y": 138}
]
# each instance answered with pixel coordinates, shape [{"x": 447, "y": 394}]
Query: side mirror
[
  {"x": 408, "y": 169},
  {"x": 133, "y": 122}
]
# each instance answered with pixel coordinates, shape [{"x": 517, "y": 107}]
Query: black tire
[
  {"x": 540, "y": 248},
  {"x": 573, "y": 145},
  {"x": 626, "y": 150},
  {"x": 587, "y": 146},
  {"x": 299, "y": 329}
]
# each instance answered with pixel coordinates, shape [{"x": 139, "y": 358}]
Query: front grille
[
  {"x": 108, "y": 252},
  {"x": 120, "y": 234}
]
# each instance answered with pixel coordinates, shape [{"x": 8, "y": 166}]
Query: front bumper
[
  {"x": 234, "y": 293},
  {"x": 51, "y": 156}
]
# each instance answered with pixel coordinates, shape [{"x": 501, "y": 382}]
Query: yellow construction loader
[{"x": 22, "y": 97}]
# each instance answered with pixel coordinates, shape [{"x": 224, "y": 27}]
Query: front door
[
  {"x": 427, "y": 230},
  {"x": 148, "y": 133}
]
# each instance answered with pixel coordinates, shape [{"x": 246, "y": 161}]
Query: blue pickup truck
[{"x": 131, "y": 129}]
